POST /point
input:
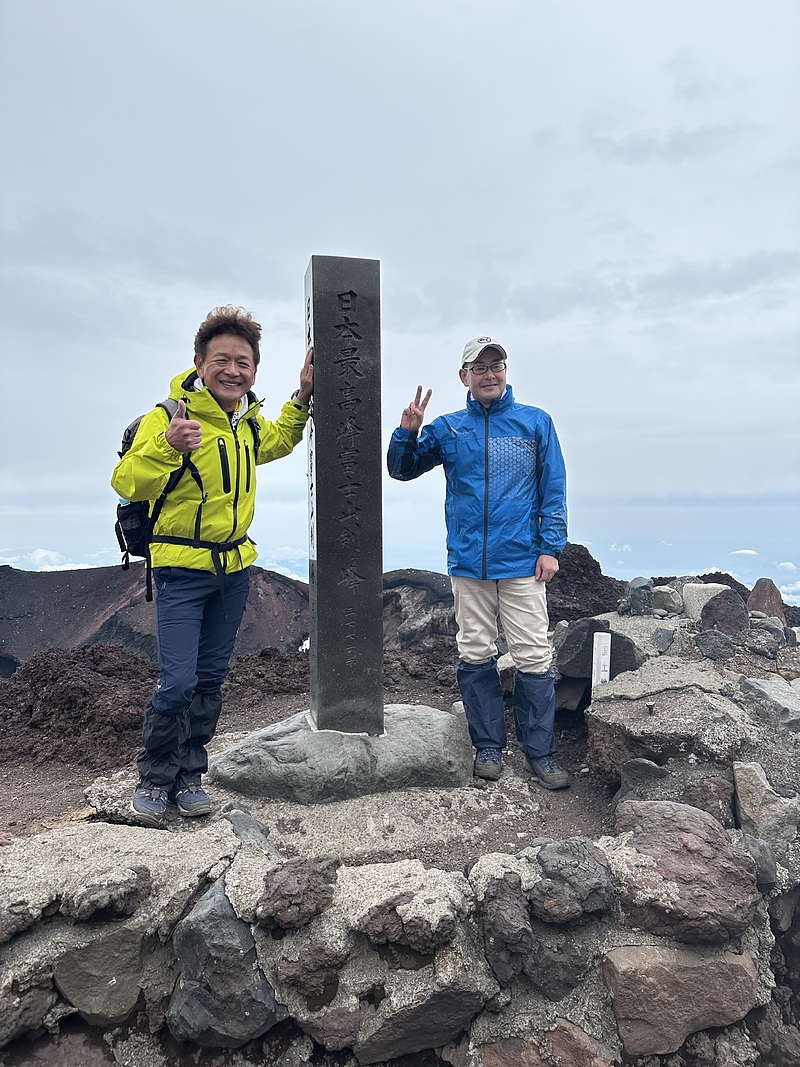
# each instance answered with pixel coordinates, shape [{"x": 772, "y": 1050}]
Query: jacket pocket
[
  {"x": 248, "y": 468},
  {"x": 224, "y": 465}
]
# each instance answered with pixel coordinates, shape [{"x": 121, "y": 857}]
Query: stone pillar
[{"x": 345, "y": 470}]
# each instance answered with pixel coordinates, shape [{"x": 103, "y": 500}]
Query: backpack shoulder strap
[
  {"x": 254, "y": 426},
  {"x": 169, "y": 405}
]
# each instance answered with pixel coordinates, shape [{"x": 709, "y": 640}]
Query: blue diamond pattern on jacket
[{"x": 512, "y": 465}]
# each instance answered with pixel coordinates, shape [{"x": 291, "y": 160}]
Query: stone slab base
[{"x": 292, "y": 760}]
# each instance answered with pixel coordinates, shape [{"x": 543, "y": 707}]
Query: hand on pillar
[{"x": 306, "y": 390}]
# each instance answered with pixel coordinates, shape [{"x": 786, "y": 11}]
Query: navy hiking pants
[{"x": 197, "y": 618}]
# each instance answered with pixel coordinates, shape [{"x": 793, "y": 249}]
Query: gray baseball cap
[{"x": 473, "y": 348}]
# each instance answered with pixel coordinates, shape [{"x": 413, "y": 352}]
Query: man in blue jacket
[{"x": 506, "y": 516}]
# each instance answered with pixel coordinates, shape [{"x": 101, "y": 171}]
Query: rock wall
[
  {"x": 621, "y": 947},
  {"x": 673, "y": 941}
]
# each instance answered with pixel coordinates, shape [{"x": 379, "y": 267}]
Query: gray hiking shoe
[
  {"x": 192, "y": 800},
  {"x": 488, "y": 764},
  {"x": 547, "y": 770},
  {"x": 149, "y": 804}
]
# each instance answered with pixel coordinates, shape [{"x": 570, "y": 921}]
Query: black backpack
[{"x": 137, "y": 518}]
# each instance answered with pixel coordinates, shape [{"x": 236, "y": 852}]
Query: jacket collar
[{"x": 503, "y": 403}]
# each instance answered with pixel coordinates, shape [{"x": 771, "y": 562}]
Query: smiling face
[
  {"x": 485, "y": 384},
  {"x": 228, "y": 369}
]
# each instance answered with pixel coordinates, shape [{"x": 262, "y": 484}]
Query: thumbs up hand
[{"x": 183, "y": 434}]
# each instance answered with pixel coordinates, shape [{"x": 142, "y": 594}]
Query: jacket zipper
[
  {"x": 485, "y": 491},
  {"x": 248, "y": 468},
  {"x": 238, "y": 478}
]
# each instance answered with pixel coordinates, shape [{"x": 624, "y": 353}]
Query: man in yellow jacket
[{"x": 200, "y": 549}]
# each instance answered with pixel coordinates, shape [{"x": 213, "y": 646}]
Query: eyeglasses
[{"x": 496, "y": 368}]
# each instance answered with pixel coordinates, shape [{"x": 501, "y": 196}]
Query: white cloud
[
  {"x": 45, "y": 557},
  {"x": 791, "y": 568},
  {"x": 790, "y": 593},
  {"x": 619, "y": 548},
  {"x": 744, "y": 552}
]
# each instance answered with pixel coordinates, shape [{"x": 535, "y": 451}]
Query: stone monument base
[{"x": 292, "y": 760}]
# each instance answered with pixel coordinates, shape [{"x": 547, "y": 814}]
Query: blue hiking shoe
[
  {"x": 548, "y": 772},
  {"x": 149, "y": 804},
  {"x": 488, "y": 764},
  {"x": 192, "y": 800}
]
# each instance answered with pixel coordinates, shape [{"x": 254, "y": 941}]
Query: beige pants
[{"x": 521, "y": 606}]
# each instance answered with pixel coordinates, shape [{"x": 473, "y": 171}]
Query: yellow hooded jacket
[{"x": 224, "y": 465}]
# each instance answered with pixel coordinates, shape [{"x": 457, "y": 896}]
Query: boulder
[
  {"x": 774, "y": 627},
  {"x": 714, "y": 644},
  {"x": 662, "y": 674},
  {"x": 763, "y": 855},
  {"x": 574, "y": 654},
  {"x": 702, "y": 726},
  {"x": 776, "y": 697},
  {"x": 666, "y": 598},
  {"x": 574, "y": 881},
  {"x": 662, "y": 639},
  {"x": 681, "y": 782},
  {"x": 222, "y": 998},
  {"x": 291, "y": 760},
  {"x": 417, "y": 608},
  {"x": 638, "y": 599},
  {"x": 680, "y": 875},
  {"x": 761, "y": 811},
  {"x": 725, "y": 612},
  {"x": 762, "y": 643},
  {"x": 662, "y": 995},
  {"x": 296, "y": 891},
  {"x": 507, "y": 931},
  {"x": 766, "y": 597},
  {"x": 697, "y": 594}
]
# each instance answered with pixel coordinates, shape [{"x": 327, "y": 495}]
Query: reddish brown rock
[
  {"x": 565, "y": 1044},
  {"x": 335, "y": 1028},
  {"x": 297, "y": 891},
  {"x": 569, "y": 1044},
  {"x": 766, "y": 597},
  {"x": 511, "y": 1052},
  {"x": 662, "y": 995},
  {"x": 699, "y": 888}
]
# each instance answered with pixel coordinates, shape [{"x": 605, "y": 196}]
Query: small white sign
[{"x": 601, "y": 659}]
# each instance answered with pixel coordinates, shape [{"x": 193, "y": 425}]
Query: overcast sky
[{"x": 609, "y": 187}]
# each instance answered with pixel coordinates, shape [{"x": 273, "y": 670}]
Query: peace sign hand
[{"x": 414, "y": 415}]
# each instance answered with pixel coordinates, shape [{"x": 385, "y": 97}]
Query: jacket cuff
[{"x": 165, "y": 448}]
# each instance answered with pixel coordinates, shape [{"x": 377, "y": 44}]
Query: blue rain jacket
[{"x": 506, "y": 499}]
